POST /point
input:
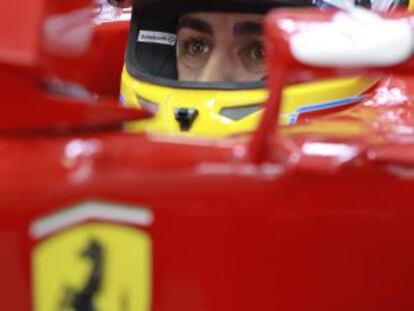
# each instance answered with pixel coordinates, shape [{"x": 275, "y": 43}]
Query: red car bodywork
[{"x": 292, "y": 220}]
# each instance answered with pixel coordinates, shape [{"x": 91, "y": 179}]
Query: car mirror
[
  {"x": 339, "y": 41},
  {"x": 311, "y": 44}
]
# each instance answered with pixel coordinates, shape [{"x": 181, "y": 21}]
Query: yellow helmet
[{"x": 149, "y": 78}]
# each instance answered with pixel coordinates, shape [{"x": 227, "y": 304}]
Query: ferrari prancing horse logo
[
  {"x": 83, "y": 300},
  {"x": 93, "y": 267}
]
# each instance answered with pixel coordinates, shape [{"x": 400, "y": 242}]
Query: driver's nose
[{"x": 220, "y": 67}]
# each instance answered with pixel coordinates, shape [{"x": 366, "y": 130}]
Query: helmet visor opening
[{"x": 205, "y": 44}]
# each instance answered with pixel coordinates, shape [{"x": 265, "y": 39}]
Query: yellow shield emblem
[{"x": 93, "y": 267}]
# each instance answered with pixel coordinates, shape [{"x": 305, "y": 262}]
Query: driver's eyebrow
[
  {"x": 247, "y": 28},
  {"x": 195, "y": 24}
]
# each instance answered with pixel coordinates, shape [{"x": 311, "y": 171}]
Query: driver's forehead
[{"x": 220, "y": 21}]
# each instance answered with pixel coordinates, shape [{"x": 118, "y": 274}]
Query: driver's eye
[
  {"x": 196, "y": 47},
  {"x": 252, "y": 57},
  {"x": 257, "y": 53},
  {"x": 194, "y": 52}
]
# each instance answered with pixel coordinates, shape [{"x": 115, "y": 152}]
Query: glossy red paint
[
  {"x": 298, "y": 219},
  {"x": 47, "y": 92}
]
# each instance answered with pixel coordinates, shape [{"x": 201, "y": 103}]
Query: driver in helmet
[
  {"x": 198, "y": 66},
  {"x": 220, "y": 47}
]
